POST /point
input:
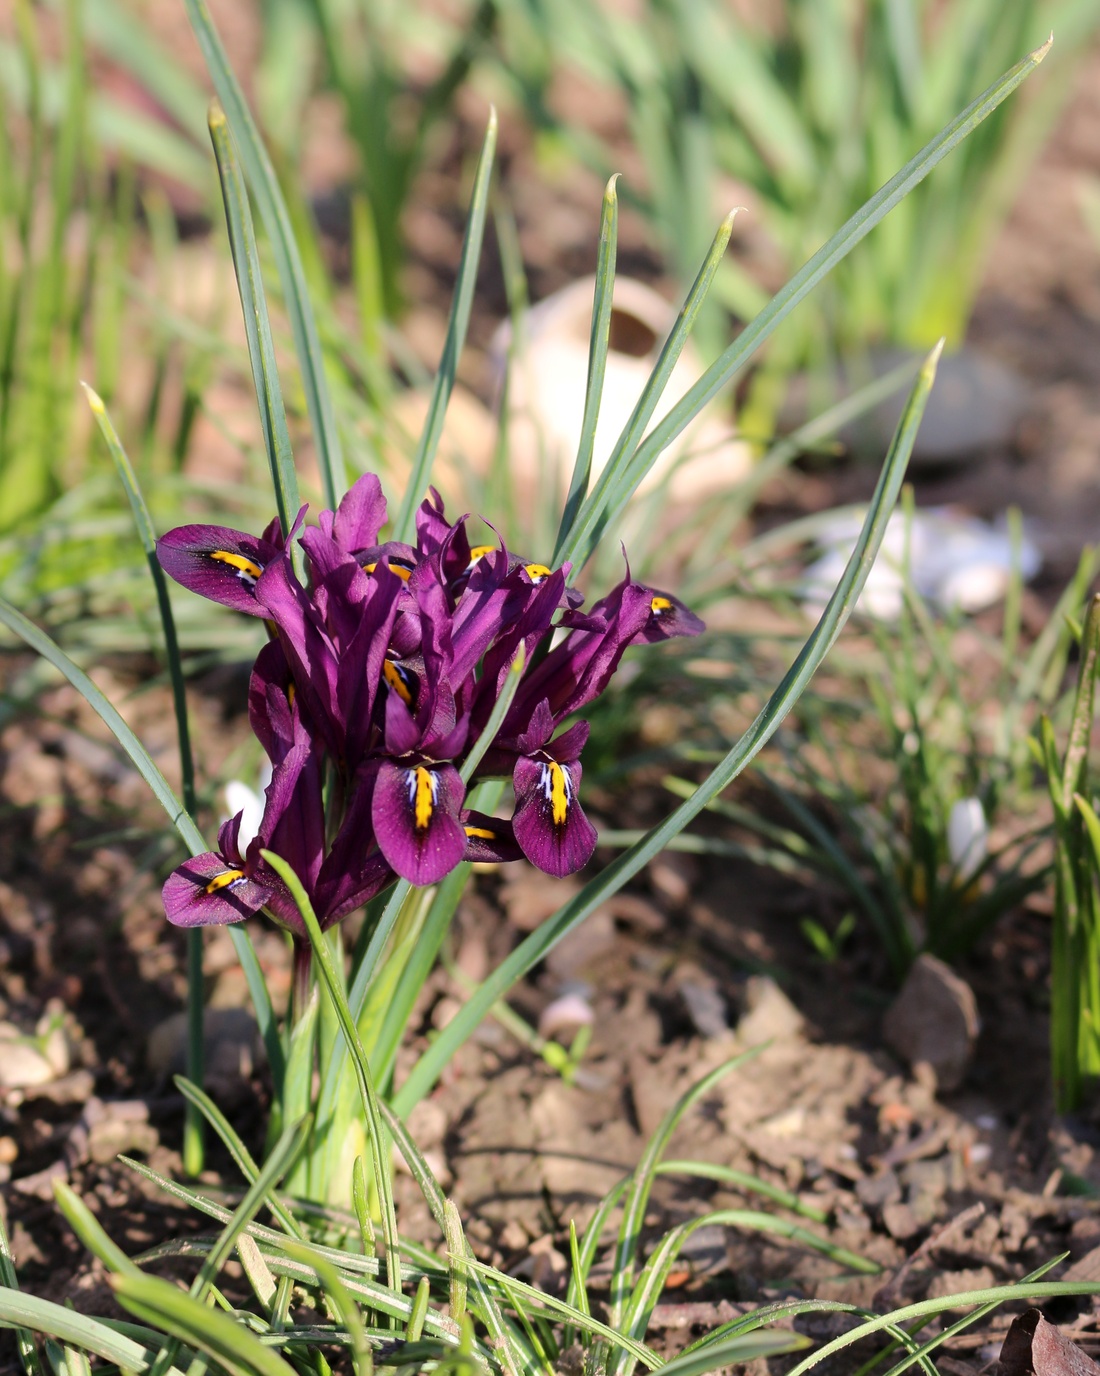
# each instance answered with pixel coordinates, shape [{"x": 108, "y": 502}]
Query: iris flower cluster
[{"x": 381, "y": 672}]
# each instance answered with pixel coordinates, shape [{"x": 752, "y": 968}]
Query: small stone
[
  {"x": 232, "y": 1048},
  {"x": 673, "y": 876},
  {"x": 706, "y": 1007},
  {"x": 769, "y": 1016},
  {"x": 876, "y": 1191},
  {"x": 22, "y": 1065},
  {"x": 8, "y": 1150},
  {"x": 513, "y": 1236},
  {"x": 934, "y": 1021},
  {"x": 900, "y": 1222}
]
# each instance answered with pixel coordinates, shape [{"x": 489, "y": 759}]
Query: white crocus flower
[
  {"x": 249, "y": 802},
  {"x": 967, "y": 837}
]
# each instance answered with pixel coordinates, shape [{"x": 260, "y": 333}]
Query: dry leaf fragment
[{"x": 1033, "y": 1347}]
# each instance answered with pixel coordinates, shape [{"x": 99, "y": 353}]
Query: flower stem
[{"x": 299, "y": 993}]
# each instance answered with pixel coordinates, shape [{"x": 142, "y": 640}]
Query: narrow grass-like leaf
[
  {"x": 375, "y": 1128},
  {"x": 994, "y": 1295},
  {"x": 542, "y": 1302},
  {"x": 583, "y": 533},
  {"x": 534, "y": 947},
  {"x": 288, "y": 261},
  {"x": 161, "y": 1304},
  {"x": 496, "y": 716},
  {"x": 741, "y": 1180},
  {"x": 651, "y": 1282},
  {"x": 279, "y": 1161},
  {"x": 192, "y": 1130},
  {"x": 641, "y": 1182},
  {"x": 90, "y": 1231},
  {"x": 189, "y": 833},
  {"x": 734, "y": 1351},
  {"x": 24, "y": 1338},
  {"x": 257, "y": 323},
  {"x": 405, "y": 521},
  {"x": 29, "y": 1313},
  {"x": 603, "y": 505},
  {"x": 237, "y": 1149},
  {"x": 337, "y": 1294},
  {"x": 602, "y": 301}
]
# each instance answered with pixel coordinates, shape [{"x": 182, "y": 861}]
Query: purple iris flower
[{"x": 383, "y": 668}]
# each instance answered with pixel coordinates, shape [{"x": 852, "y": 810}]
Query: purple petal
[
  {"x": 570, "y": 743},
  {"x": 580, "y": 668},
  {"x": 207, "y": 891},
  {"x": 307, "y": 647},
  {"x": 216, "y": 562},
  {"x": 229, "y": 840},
  {"x": 415, "y": 815},
  {"x": 355, "y": 870},
  {"x": 549, "y": 824},
  {"x": 489, "y": 840},
  {"x": 270, "y": 713},
  {"x": 360, "y": 515},
  {"x": 668, "y": 617}
]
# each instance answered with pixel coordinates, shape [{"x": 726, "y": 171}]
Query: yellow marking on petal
[
  {"x": 402, "y": 572},
  {"x": 479, "y": 552},
  {"x": 291, "y": 693},
  {"x": 424, "y": 802},
  {"x": 559, "y": 793},
  {"x": 537, "y": 572},
  {"x": 480, "y": 833},
  {"x": 659, "y": 605},
  {"x": 249, "y": 567},
  {"x": 223, "y": 880},
  {"x": 392, "y": 674}
]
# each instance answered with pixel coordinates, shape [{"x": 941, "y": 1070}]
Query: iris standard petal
[
  {"x": 209, "y": 891},
  {"x": 216, "y": 562},
  {"x": 549, "y": 824},
  {"x": 360, "y": 515},
  {"x": 415, "y": 815}
]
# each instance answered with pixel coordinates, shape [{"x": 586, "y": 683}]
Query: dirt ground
[{"x": 944, "y": 1190}]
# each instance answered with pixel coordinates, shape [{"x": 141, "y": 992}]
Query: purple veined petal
[
  {"x": 580, "y": 668},
  {"x": 307, "y": 648},
  {"x": 538, "y": 731},
  {"x": 229, "y": 843},
  {"x": 338, "y": 585},
  {"x": 354, "y": 869},
  {"x": 432, "y": 526},
  {"x": 360, "y": 515},
  {"x": 270, "y": 701},
  {"x": 401, "y": 733},
  {"x": 415, "y": 811},
  {"x": 293, "y": 824},
  {"x": 350, "y": 889},
  {"x": 489, "y": 840},
  {"x": 216, "y": 562},
  {"x": 668, "y": 617},
  {"x": 532, "y": 627},
  {"x": 570, "y": 743},
  {"x": 549, "y": 824},
  {"x": 207, "y": 891}
]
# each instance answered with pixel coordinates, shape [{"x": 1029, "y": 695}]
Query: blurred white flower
[
  {"x": 249, "y": 803},
  {"x": 967, "y": 837},
  {"x": 955, "y": 561}
]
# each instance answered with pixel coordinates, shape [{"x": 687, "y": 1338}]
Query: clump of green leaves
[{"x": 1075, "y": 935}]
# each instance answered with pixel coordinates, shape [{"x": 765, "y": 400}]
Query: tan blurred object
[{"x": 549, "y": 378}]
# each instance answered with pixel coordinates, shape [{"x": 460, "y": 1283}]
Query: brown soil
[{"x": 971, "y": 1187}]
